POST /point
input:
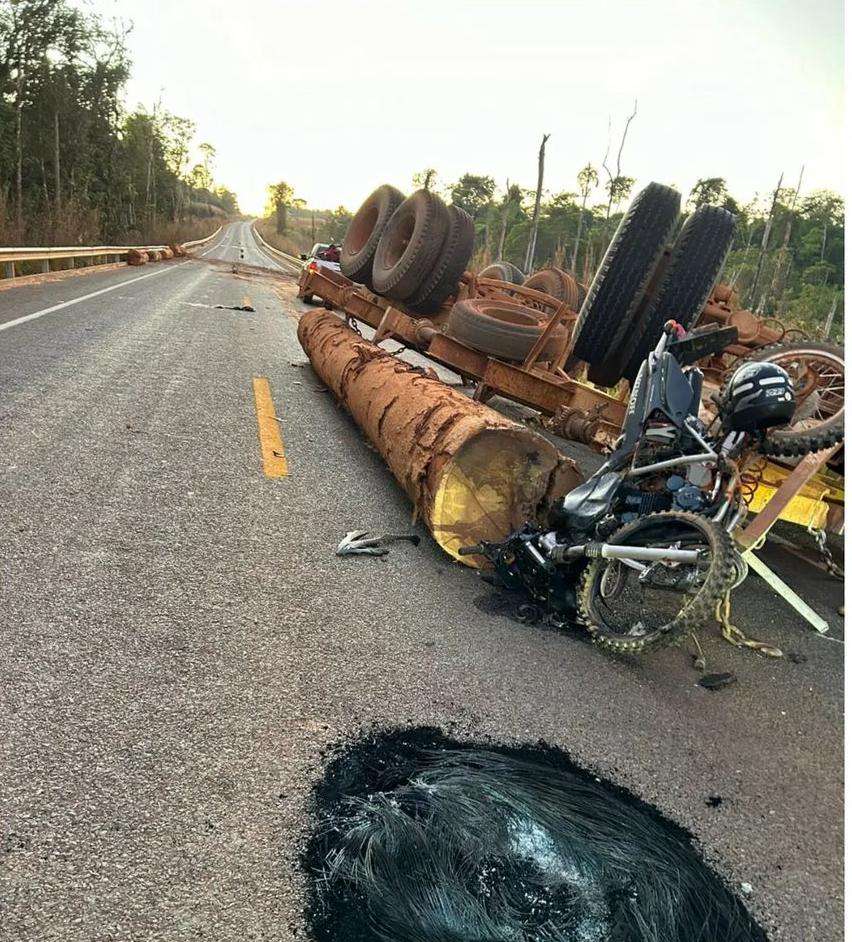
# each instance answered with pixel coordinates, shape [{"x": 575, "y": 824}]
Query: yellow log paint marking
[{"x": 271, "y": 446}]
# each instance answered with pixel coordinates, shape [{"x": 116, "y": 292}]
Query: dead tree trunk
[
  {"x": 19, "y": 150},
  {"x": 528, "y": 261},
  {"x": 504, "y": 222},
  {"x": 767, "y": 229},
  {"x": 57, "y": 182},
  {"x": 579, "y": 233},
  {"x": 782, "y": 267},
  {"x": 830, "y": 320}
]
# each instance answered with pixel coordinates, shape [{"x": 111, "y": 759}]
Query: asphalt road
[{"x": 179, "y": 642}]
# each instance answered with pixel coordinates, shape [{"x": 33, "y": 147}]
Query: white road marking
[{"x": 85, "y": 297}]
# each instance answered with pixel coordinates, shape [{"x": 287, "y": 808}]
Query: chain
[
  {"x": 827, "y": 559},
  {"x": 821, "y": 540},
  {"x": 738, "y": 638}
]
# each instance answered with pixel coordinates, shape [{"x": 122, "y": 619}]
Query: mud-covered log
[{"x": 471, "y": 473}]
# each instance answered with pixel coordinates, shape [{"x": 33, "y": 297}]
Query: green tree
[
  {"x": 425, "y": 179},
  {"x": 473, "y": 193},
  {"x": 280, "y": 196}
]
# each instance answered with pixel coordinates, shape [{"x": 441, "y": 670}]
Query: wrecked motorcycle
[{"x": 642, "y": 552}]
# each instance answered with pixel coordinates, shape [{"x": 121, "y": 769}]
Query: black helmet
[{"x": 758, "y": 396}]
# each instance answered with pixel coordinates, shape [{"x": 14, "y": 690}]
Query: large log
[{"x": 471, "y": 473}]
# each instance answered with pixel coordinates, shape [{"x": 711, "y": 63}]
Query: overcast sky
[{"x": 338, "y": 97}]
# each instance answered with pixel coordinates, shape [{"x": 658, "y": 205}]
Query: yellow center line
[{"x": 271, "y": 446}]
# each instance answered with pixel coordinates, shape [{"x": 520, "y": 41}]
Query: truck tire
[
  {"x": 501, "y": 329},
  {"x": 698, "y": 258},
  {"x": 364, "y": 232},
  {"x": 410, "y": 245},
  {"x": 503, "y": 271},
  {"x": 558, "y": 284},
  {"x": 623, "y": 275},
  {"x": 443, "y": 280}
]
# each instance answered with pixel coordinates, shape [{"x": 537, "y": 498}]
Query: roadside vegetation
[
  {"x": 75, "y": 166},
  {"x": 786, "y": 261}
]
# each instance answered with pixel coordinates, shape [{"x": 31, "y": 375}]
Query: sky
[{"x": 339, "y": 97}]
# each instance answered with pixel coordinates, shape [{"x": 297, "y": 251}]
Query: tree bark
[
  {"x": 579, "y": 233},
  {"x": 57, "y": 181},
  {"x": 19, "y": 149},
  {"x": 763, "y": 245},
  {"x": 530, "y": 257},
  {"x": 504, "y": 221}
]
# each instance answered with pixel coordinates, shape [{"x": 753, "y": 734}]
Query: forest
[
  {"x": 76, "y": 167},
  {"x": 786, "y": 261}
]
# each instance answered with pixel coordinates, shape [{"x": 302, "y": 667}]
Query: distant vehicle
[{"x": 316, "y": 258}]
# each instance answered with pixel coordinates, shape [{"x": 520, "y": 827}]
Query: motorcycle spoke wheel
[{"x": 629, "y": 608}]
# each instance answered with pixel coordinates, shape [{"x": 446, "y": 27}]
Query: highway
[{"x": 179, "y": 642}]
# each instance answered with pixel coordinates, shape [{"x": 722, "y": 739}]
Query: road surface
[{"x": 179, "y": 642}]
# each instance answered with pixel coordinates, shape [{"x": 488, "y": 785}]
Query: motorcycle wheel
[
  {"x": 817, "y": 370},
  {"x": 630, "y": 610}
]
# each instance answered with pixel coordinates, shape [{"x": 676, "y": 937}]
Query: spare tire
[
  {"x": 503, "y": 271},
  {"x": 443, "y": 280},
  {"x": 410, "y": 245},
  {"x": 623, "y": 275},
  {"x": 698, "y": 257},
  {"x": 364, "y": 232},
  {"x": 558, "y": 284},
  {"x": 502, "y": 329}
]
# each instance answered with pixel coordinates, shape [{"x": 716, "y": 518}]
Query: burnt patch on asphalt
[{"x": 418, "y": 836}]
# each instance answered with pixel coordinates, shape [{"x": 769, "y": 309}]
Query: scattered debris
[
  {"x": 797, "y": 657},
  {"x": 419, "y": 836},
  {"x": 747, "y": 889},
  {"x": 714, "y": 801},
  {"x": 357, "y": 543},
  {"x": 234, "y": 307},
  {"x": 717, "y": 681}
]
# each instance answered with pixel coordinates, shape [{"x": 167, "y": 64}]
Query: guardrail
[
  {"x": 10, "y": 256},
  {"x": 191, "y": 245},
  {"x": 292, "y": 259}
]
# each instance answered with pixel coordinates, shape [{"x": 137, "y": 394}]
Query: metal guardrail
[
  {"x": 292, "y": 259},
  {"x": 11, "y": 255},
  {"x": 191, "y": 245}
]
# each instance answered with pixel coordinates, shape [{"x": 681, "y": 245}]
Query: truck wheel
[
  {"x": 698, "y": 258},
  {"x": 364, "y": 232},
  {"x": 410, "y": 245},
  {"x": 443, "y": 280},
  {"x": 502, "y": 329},
  {"x": 623, "y": 275},
  {"x": 558, "y": 284},
  {"x": 503, "y": 271}
]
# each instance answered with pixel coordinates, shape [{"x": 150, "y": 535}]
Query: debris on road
[
  {"x": 420, "y": 836},
  {"x": 357, "y": 543},
  {"x": 717, "y": 681},
  {"x": 234, "y": 307},
  {"x": 471, "y": 473}
]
